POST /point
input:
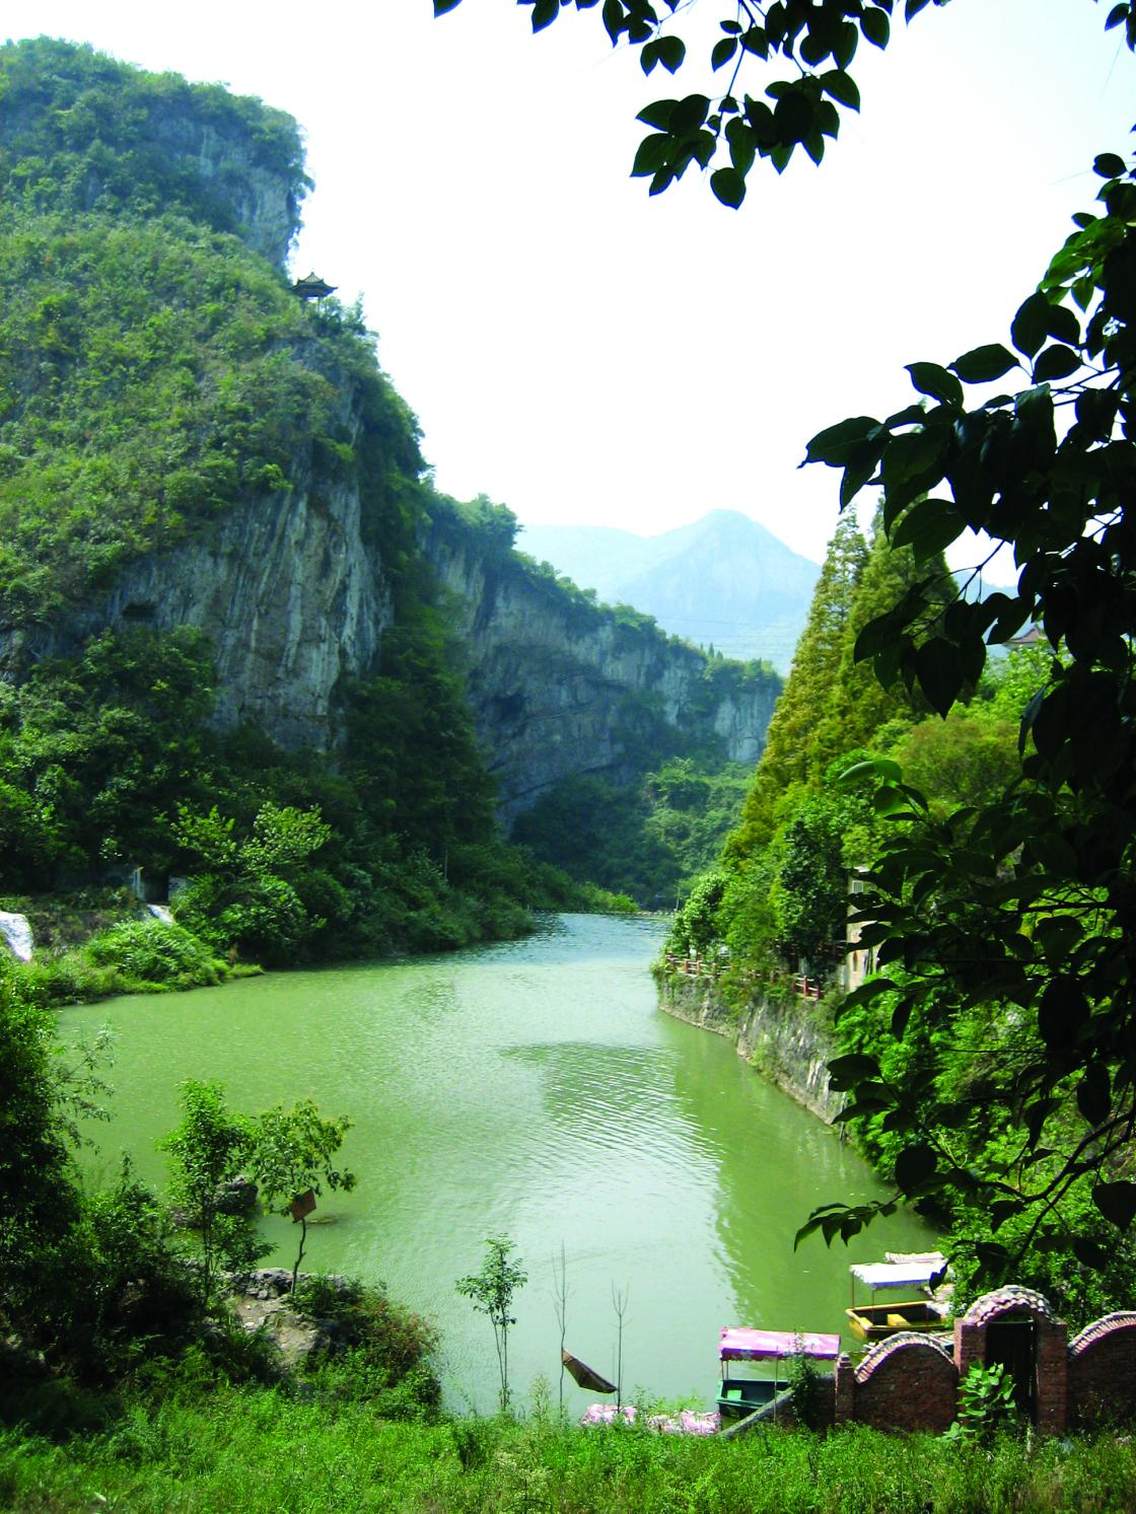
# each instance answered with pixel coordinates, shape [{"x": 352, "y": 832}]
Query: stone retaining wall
[{"x": 786, "y": 1040}]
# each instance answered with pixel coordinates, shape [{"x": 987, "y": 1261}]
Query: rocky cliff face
[
  {"x": 284, "y": 588},
  {"x": 292, "y": 594},
  {"x": 785, "y": 1040},
  {"x": 558, "y": 692},
  {"x": 259, "y": 202}
]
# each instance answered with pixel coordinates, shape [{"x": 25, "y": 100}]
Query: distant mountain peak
[{"x": 723, "y": 580}]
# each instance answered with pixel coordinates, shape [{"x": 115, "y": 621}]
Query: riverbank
[
  {"x": 788, "y": 1039},
  {"x": 98, "y": 943},
  {"x": 258, "y": 1451}
]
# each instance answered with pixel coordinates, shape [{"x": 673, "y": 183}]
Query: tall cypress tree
[
  {"x": 805, "y": 698},
  {"x": 857, "y": 704}
]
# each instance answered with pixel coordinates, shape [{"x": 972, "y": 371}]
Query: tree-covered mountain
[
  {"x": 242, "y": 638},
  {"x": 724, "y": 581}
]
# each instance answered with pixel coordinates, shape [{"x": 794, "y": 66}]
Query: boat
[
  {"x": 740, "y": 1395},
  {"x": 875, "y": 1322}
]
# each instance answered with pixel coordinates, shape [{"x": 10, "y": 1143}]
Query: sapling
[{"x": 491, "y": 1292}]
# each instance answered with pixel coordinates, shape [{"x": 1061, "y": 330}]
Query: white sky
[{"x": 585, "y": 354}]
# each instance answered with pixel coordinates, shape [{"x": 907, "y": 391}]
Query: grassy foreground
[{"x": 253, "y": 1450}]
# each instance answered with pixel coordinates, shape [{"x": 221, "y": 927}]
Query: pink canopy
[{"x": 740, "y": 1344}]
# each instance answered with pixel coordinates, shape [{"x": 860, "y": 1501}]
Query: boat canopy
[
  {"x": 740, "y": 1344},
  {"x": 911, "y": 1274}
]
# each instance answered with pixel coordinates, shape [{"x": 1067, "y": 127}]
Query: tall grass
[{"x": 261, "y": 1451}]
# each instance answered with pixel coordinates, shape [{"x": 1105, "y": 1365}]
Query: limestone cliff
[
  {"x": 559, "y": 687},
  {"x": 290, "y": 597},
  {"x": 185, "y": 444},
  {"x": 292, "y": 593}
]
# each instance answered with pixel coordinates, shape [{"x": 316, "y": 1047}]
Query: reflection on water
[{"x": 529, "y": 1089}]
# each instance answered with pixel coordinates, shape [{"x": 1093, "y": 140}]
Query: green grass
[{"x": 253, "y": 1450}]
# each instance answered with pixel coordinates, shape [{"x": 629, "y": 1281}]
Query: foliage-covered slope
[{"x": 157, "y": 377}]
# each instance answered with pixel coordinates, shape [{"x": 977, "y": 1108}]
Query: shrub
[
  {"x": 383, "y": 1348},
  {"x": 154, "y": 952}
]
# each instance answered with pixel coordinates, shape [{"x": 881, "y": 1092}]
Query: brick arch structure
[
  {"x": 981, "y": 1339},
  {"x": 1102, "y": 1371},
  {"x": 907, "y": 1382}
]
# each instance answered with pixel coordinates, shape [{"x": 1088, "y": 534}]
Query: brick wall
[
  {"x": 1102, "y": 1371},
  {"x": 908, "y": 1382},
  {"x": 911, "y": 1381}
]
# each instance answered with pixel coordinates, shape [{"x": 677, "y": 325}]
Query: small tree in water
[
  {"x": 291, "y": 1158},
  {"x": 491, "y": 1292}
]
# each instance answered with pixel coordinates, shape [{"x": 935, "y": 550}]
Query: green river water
[{"x": 529, "y": 1089}]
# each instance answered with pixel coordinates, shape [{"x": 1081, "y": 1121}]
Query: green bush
[
  {"x": 156, "y": 952},
  {"x": 383, "y": 1350}
]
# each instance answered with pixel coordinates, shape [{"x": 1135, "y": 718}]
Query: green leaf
[
  {"x": 793, "y": 115},
  {"x": 868, "y": 991},
  {"x": 544, "y": 13},
  {"x": 993, "y": 1257},
  {"x": 657, "y": 114},
  {"x": 938, "y": 667},
  {"x": 728, "y": 186},
  {"x": 649, "y": 56},
  {"x": 1109, "y": 165},
  {"x": 876, "y": 767},
  {"x": 876, "y": 27},
  {"x": 847, "y": 41},
  {"x": 723, "y": 52},
  {"x": 742, "y": 145},
  {"x": 915, "y": 1167},
  {"x": 1056, "y": 362},
  {"x": 1094, "y": 1094},
  {"x": 834, "y": 445},
  {"x": 671, "y": 52},
  {"x": 1062, "y": 325},
  {"x": 442, "y": 6},
  {"x": 755, "y": 41},
  {"x": 1090, "y": 1254},
  {"x": 1117, "y": 1202},
  {"x": 1031, "y": 325},
  {"x": 846, "y": 1072},
  {"x": 654, "y": 152},
  {"x": 689, "y": 114},
  {"x": 983, "y": 364},
  {"x": 941, "y": 385},
  {"x": 841, "y": 86},
  {"x": 928, "y": 528},
  {"x": 1116, "y": 15}
]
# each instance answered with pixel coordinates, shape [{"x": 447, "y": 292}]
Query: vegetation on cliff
[{"x": 156, "y": 372}]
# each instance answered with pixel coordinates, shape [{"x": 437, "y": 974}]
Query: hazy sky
[{"x": 585, "y": 354}]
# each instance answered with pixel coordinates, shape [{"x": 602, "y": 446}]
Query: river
[{"x": 529, "y": 1089}]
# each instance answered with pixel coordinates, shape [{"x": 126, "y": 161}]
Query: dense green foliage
[
  {"x": 778, "y": 902},
  {"x": 649, "y": 841},
  {"x": 815, "y": 39},
  {"x": 1020, "y": 909},
  {"x": 83, "y": 132}
]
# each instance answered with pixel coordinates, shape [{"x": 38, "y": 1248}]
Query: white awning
[{"x": 897, "y": 1274}]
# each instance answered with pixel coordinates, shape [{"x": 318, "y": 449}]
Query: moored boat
[
  {"x": 741, "y": 1395},
  {"x": 874, "y": 1322}
]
